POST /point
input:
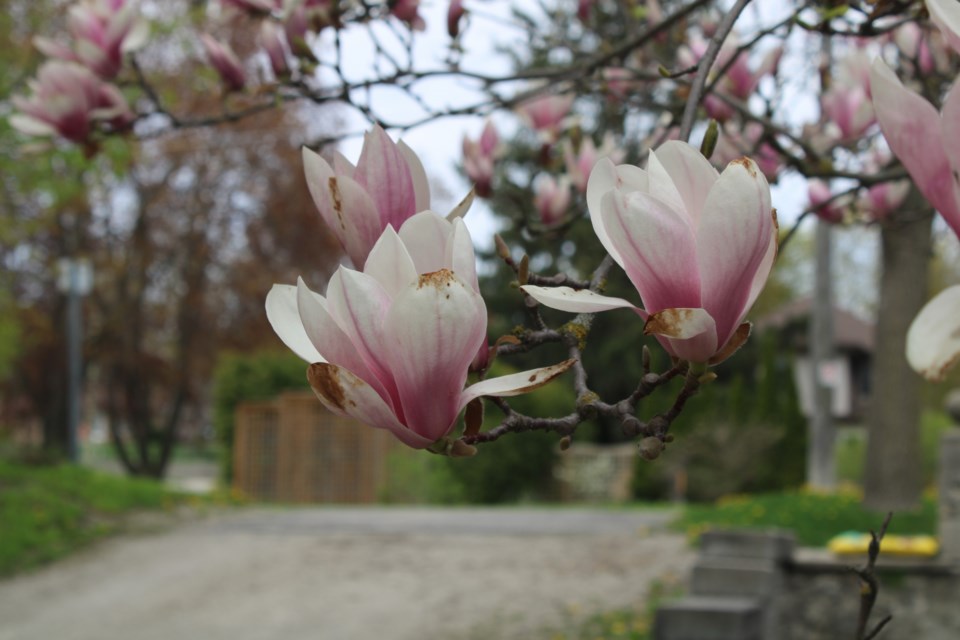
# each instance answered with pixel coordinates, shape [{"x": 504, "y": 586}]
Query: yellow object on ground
[{"x": 855, "y": 542}]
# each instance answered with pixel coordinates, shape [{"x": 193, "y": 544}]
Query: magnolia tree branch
[
  {"x": 705, "y": 64},
  {"x": 870, "y": 585}
]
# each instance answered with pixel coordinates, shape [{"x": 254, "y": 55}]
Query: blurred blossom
[
  {"x": 103, "y": 31},
  {"x": 390, "y": 346},
  {"x": 946, "y": 15},
  {"x": 546, "y": 113},
  {"x": 828, "y": 210},
  {"x": 913, "y": 43},
  {"x": 273, "y": 41},
  {"x": 697, "y": 244},
  {"x": 877, "y": 202},
  {"x": 733, "y": 144},
  {"x": 552, "y": 199},
  {"x": 253, "y": 6},
  {"x": 69, "y": 100},
  {"x": 583, "y": 9},
  {"x": 408, "y": 11},
  {"x": 454, "y": 14},
  {"x": 579, "y": 165},
  {"x": 849, "y": 110},
  {"x": 225, "y": 61},
  {"x": 479, "y": 157},
  {"x": 618, "y": 82}
]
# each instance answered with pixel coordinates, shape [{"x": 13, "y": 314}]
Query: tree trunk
[{"x": 893, "y": 475}]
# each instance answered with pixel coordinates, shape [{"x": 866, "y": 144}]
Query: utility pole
[
  {"x": 75, "y": 280},
  {"x": 821, "y": 472}
]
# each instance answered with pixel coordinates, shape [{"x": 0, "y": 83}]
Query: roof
[{"x": 849, "y": 330}]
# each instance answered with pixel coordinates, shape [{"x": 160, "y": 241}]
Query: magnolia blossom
[
  {"x": 552, "y": 199},
  {"x": 253, "y": 6},
  {"x": 454, "y": 13},
  {"x": 273, "y": 41},
  {"x": 736, "y": 142},
  {"x": 103, "y": 30},
  {"x": 926, "y": 142},
  {"x": 848, "y": 109},
  {"x": 391, "y": 345},
  {"x": 479, "y": 157},
  {"x": 579, "y": 165},
  {"x": 546, "y": 113},
  {"x": 697, "y": 244},
  {"x": 69, "y": 100},
  {"x": 823, "y": 203},
  {"x": 879, "y": 201},
  {"x": 386, "y": 187},
  {"x": 225, "y": 61},
  {"x": 408, "y": 11}
]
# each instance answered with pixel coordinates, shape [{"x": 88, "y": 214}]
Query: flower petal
[
  {"x": 383, "y": 171},
  {"x": 390, "y": 263},
  {"x": 691, "y": 174},
  {"x": 285, "y": 319},
  {"x": 606, "y": 177},
  {"x": 933, "y": 340},
  {"x": 733, "y": 240},
  {"x": 691, "y": 333},
  {"x": 574, "y": 301},
  {"x": 421, "y": 188},
  {"x": 913, "y": 130},
  {"x": 658, "y": 247},
  {"x": 463, "y": 206},
  {"x": 515, "y": 383},
  {"x": 460, "y": 255},
  {"x": 347, "y": 395},
  {"x": 343, "y": 204},
  {"x": 733, "y": 344},
  {"x": 433, "y": 332},
  {"x": 330, "y": 340},
  {"x": 426, "y": 235}
]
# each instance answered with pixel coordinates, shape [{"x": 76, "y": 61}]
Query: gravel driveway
[{"x": 349, "y": 573}]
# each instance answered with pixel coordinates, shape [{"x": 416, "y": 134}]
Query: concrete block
[
  {"x": 709, "y": 618},
  {"x": 737, "y": 577},
  {"x": 773, "y": 545}
]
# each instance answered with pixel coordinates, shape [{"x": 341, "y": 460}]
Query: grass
[
  {"x": 813, "y": 517},
  {"x": 47, "y": 512}
]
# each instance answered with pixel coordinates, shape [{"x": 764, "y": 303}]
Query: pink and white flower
[
  {"x": 69, "y": 100},
  {"x": 391, "y": 345},
  {"x": 479, "y": 157},
  {"x": 386, "y": 187},
  {"x": 273, "y": 41},
  {"x": 225, "y": 61},
  {"x": 408, "y": 11},
  {"x": 552, "y": 199},
  {"x": 697, "y": 244},
  {"x": 546, "y": 113},
  {"x": 580, "y": 164},
  {"x": 103, "y": 31}
]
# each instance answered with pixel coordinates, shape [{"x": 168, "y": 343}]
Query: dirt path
[{"x": 330, "y": 574}]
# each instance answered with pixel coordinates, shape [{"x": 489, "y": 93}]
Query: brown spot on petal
[
  {"x": 337, "y": 200},
  {"x": 545, "y": 375},
  {"x": 747, "y": 164},
  {"x": 668, "y": 322},
  {"x": 438, "y": 279},
  {"x": 738, "y": 339},
  {"x": 325, "y": 382}
]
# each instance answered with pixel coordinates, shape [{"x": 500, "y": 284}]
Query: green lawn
[
  {"x": 46, "y": 512},
  {"x": 813, "y": 517}
]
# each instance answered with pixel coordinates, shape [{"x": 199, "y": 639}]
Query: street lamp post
[{"x": 75, "y": 279}]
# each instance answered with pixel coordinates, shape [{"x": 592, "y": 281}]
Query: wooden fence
[{"x": 292, "y": 449}]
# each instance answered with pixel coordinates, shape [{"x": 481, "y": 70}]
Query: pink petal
[
  {"x": 913, "y": 130},
  {"x": 691, "y": 174},
  {"x": 359, "y": 305},
  {"x": 347, "y": 395},
  {"x": 421, "y": 187},
  {"x": 425, "y": 236},
  {"x": 733, "y": 239},
  {"x": 691, "y": 333},
  {"x": 951, "y": 137},
  {"x": 514, "y": 384},
  {"x": 663, "y": 189},
  {"x": 390, "y": 264},
  {"x": 604, "y": 178},
  {"x": 383, "y": 172},
  {"x": 330, "y": 340},
  {"x": 574, "y": 301},
  {"x": 285, "y": 319},
  {"x": 433, "y": 332},
  {"x": 460, "y": 255},
  {"x": 343, "y": 204},
  {"x": 933, "y": 340},
  {"x": 658, "y": 247}
]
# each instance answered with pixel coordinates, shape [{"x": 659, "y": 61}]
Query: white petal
[
  {"x": 604, "y": 178},
  {"x": 426, "y": 235},
  {"x": 690, "y": 173},
  {"x": 421, "y": 187},
  {"x": 285, "y": 319},
  {"x": 933, "y": 340},
  {"x": 390, "y": 263},
  {"x": 574, "y": 301},
  {"x": 515, "y": 383},
  {"x": 460, "y": 255},
  {"x": 462, "y": 207}
]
